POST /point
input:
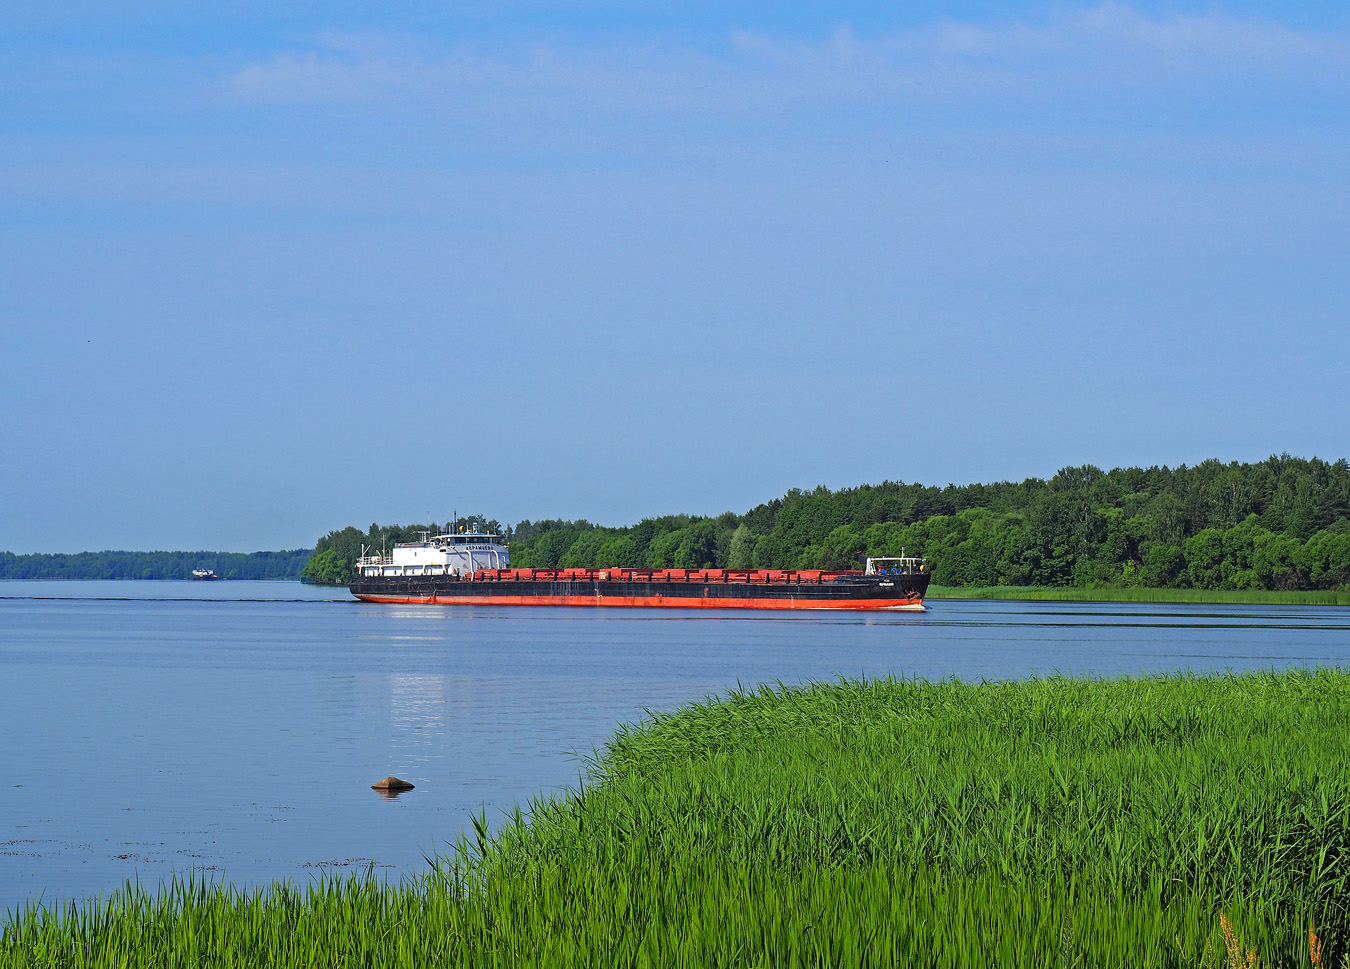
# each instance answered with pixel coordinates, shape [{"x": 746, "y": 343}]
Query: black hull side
[{"x": 910, "y": 587}]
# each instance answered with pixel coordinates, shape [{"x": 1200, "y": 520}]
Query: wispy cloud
[
  {"x": 1114, "y": 26},
  {"x": 361, "y": 68},
  {"x": 948, "y": 59}
]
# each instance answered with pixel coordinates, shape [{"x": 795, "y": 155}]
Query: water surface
[{"x": 235, "y": 728}]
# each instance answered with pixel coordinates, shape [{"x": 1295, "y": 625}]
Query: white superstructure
[{"x": 454, "y": 554}]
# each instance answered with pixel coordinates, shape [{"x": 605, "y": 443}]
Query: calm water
[{"x": 235, "y": 727}]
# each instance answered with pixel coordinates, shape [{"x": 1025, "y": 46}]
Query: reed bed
[
  {"x": 1274, "y": 597},
  {"x": 1170, "y": 821}
]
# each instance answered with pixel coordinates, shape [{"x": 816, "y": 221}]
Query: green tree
[
  {"x": 661, "y": 554},
  {"x": 1204, "y": 559},
  {"x": 1164, "y": 565},
  {"x": 698, "y": 546},
  {"x": 1325, "y": 559},
  {"x": 619, "y": 552},
  {"x": 740, "y": 554},
  {"x": 584, "y": 551}
]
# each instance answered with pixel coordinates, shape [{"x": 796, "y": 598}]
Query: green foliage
[
  {"x": 741, "y": 549},
  {"x": 328, "y": 568},
  {"x": 1060, "y": 822},
  {"x": 1283, "y": 523}
]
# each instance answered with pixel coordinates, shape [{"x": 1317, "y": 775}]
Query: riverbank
[
  {"x": 1040, "y": 822},
  {"x": 1030, "y": 593}
]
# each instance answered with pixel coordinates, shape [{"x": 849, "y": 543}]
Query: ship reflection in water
[{"x": 416, "y": 726}]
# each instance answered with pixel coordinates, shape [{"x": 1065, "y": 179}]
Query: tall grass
[
  {"x": 1048, "y": 822},
  {"x": 1309, "y": 597}
]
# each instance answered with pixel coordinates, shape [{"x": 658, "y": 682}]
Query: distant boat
[{"x": 204, "y": 574}]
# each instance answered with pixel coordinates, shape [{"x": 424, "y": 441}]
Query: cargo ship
[{"x": 474, "y": 568}]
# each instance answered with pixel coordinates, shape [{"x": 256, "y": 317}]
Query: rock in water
[{"x": 391, "y": 784}]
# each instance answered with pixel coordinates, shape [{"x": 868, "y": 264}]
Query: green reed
[
  {"x": 1054, "y": 822},
  {"x": 1276, "y": 597}
]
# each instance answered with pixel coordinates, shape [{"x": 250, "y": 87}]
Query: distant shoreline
[{"x": 119, "y": 565}]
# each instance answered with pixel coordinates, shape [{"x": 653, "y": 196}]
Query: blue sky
[{"x": 269, "y": 270}]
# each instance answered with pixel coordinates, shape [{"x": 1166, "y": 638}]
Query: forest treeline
[
  {"x": 154, "y": 565},
  {"x": 1282, "y": 523}
]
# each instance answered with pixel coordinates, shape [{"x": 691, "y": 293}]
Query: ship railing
[
  {"x": 894, "y": 565},
  {"x": 387, "y": 568}
]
